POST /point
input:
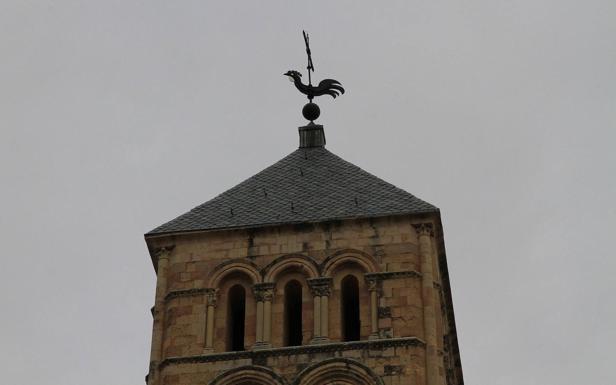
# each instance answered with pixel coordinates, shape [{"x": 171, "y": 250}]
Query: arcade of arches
[{"x": 294, "y": 308}]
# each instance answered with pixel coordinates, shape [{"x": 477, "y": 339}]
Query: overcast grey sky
[{"x": 116, "y": 116}]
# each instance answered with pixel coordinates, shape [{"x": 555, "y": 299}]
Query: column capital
[
  {"x": 211, "y": 296},
  {"x": 163, "y": 252},
  {"x": 425, "y": 228},
  {"x": 320, "y": 287},
  {"x": 373, "y": 281},
  {"x": 263, "y": 291}
]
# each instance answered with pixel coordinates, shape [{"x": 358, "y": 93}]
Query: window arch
[
  {"x": 349, "y": 306},
  {"x": 337, "y": 371},
  {"x": 293, "y": 314},
  {"x": 236, "y": 318},
  {"x": 249, "y": 374}
]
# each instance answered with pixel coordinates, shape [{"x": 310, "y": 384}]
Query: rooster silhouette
[{"x": 329, "y": 87}]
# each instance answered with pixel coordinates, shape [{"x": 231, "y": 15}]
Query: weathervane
[{"x": 329, "y": 87}]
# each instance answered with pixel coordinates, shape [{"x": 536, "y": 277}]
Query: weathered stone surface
[{"x": 383, "y": 254}]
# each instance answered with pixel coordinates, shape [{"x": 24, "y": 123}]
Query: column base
[
  {"x": 261, "y": 345},
  {"x": 374, "y": 336},
  {"x": 208, "y": 350},
  {"x": 319, "y": 340}
]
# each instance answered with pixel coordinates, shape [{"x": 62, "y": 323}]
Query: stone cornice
[
  {"x": 294, "y": 350},
  {"x": 185, "y": 293},
  {"x": 392, "y": 275}
]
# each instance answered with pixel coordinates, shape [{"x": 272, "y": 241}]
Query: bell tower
[{"x": 311, "y": 272}]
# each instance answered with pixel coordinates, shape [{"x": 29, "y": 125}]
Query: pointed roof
[{"x": 309, "y": 185}]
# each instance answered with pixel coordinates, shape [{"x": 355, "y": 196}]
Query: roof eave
[{"x": 152, "y": 235}]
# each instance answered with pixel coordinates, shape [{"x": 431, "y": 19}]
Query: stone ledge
[
  {"x": 393, "y": 275},
  {"x": 185, "y": 293},
  {"x": 293, "y": 350}
]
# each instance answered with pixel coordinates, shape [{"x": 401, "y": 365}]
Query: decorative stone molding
[
  {"x": 264, "y": 291},
  {"x": 372, "y": 282},
  {"x": 185, "y": 293},
  {"x": 211, "y": 297},
  {"x": 307, "y": 265},
  {"x": 294, "y": 350},
  {"x": 254, "y": 374},
  {"x": 424, "y": 228},
  {"x": 162, "y": 252},
  {"x": 241, "y": 266},
  {"x": 392, "y": 275},
  {"x": 337, "y": 370},
  {"x": 320, "y": 287},
  {"x": 258, "y": 294},
  {"x": 321, "y": 291},
  {"x": 341, "y": 257},
  {"x": 268, "y": 296}
]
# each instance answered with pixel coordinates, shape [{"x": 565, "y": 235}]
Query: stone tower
[{"x": 311, "y": 272}]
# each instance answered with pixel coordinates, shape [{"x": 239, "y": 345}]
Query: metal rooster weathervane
[{"x": 329, "y": 87}]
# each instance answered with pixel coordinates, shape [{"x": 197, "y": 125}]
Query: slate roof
[{"x": 308, "y": 185}]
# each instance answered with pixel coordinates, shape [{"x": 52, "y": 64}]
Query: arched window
[
  {"x": 350, "y": 308},
  {"x": 236, "y": 314},
  {"x": 293, "y": 314}
]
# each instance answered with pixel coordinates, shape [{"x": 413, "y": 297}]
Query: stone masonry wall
[{"x": 383, "y": 254}]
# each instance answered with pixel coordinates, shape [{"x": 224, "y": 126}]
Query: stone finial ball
[{"x": 311, "y": 111}]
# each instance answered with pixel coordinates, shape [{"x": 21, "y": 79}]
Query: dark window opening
[
  {"x": 236, "y": 313},
  {"x": 293, "y": 314},
  {"x": 350, "y": 308}
]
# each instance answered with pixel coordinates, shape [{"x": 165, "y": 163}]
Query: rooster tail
[
  {"x": 332, "y": 93},
  {"x": 332, "y": 87},
  {"x": 337, "y": 88}
]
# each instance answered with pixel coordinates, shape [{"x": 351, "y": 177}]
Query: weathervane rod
[{"x": 310, "y": 65}]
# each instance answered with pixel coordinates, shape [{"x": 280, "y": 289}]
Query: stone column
[
  {"x": 316, "y": 316},
  {"x": 212, "y": 300},
  {"x": 257, "y": 291},
  {"x": 321, "y": 289},
  {"x": 373, "y": 288},
  {"x": 325, "y": 313},
  {"x": 259, "y": 332},
  {"x": 158, "y": 327},
  {"x": 426, "y": 253},
  {"x": 268, "y": 297},
  {"x": 264, "y": 293}
]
